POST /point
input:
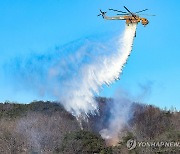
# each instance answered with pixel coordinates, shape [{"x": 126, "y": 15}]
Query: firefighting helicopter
[{"x": 128, "y": 16}]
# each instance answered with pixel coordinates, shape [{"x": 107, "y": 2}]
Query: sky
[{"x": 152, "y": 74}]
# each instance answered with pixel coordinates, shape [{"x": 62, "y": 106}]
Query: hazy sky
[{"x": 153, "y": 68}]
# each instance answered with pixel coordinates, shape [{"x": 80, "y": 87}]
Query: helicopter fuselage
[
  {"x": 129, "y": 19},
  {"x": 135, "y": 19}
]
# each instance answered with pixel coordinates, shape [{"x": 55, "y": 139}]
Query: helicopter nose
[{"x": 147, "y": 22}]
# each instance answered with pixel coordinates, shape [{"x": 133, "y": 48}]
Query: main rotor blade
[
  {"x": 141, "y": 11},
  {"x": 123, "y": 14},
  {"x": 147, "y": 14},
  {"x": 130, "y": 12},
  {"x": 117, "y": 10}
]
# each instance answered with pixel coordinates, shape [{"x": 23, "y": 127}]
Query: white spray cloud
[
  {"x": 75, "y": 79},
  {"x": 104, "y": 70}
]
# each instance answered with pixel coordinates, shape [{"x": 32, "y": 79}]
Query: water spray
[
  {"x": 69, "y": 79},
  {"x": 105, "y": 71}
]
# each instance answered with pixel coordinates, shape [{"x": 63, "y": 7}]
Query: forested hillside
[{"x": 45, "y": 127}]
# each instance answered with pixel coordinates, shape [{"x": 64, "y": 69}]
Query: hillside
[{"x": 46, "y": 127}]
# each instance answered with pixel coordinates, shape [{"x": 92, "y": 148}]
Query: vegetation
[
  {"x": 46, "y": 127},
  {"x": 83, "y": 142}
]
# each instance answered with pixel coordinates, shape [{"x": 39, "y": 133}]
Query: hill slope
[{"x": 45, "y": 127}]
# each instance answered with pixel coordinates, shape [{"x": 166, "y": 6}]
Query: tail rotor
[{"x": 101, "y": 13}]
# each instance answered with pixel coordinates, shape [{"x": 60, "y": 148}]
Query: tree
[{"x": 83, "y": 142}]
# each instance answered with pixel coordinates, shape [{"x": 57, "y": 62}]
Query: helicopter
[{"x": 128, "y": 16}]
